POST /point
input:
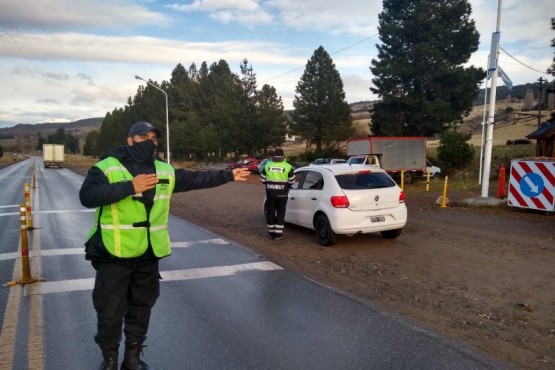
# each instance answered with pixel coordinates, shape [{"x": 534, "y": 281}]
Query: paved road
[{"x": 221, "y": 306}]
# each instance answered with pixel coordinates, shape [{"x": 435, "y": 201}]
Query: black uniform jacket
[{"x": 96, "y": 191}]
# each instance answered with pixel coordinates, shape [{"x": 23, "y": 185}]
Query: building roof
[{"x": 547, "y": 129}]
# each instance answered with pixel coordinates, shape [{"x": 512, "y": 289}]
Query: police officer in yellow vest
[
  {"x": 277, "y": 176},
  {"x": 131, "y": 190}
]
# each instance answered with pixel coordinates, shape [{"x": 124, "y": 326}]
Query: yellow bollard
[
  {"x": 28, "y": 205},
  {"x": 33, "y": 178},
  {"x": 26, "y": 270},
  {"x": 403, "y": 180},
  {"x": 444, "y": 200},
  {"x": 427, "y": 179}
]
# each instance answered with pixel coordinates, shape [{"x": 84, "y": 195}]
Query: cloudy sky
[{"x": 63, "y": 60}]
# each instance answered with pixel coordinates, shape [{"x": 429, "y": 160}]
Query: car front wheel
[
  {"x": 324, "y": 234},
  {"x": 392, "y": 234}
]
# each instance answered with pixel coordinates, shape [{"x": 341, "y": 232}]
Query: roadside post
[
  {"x": 26, "y": 268},
  {"x": 427, "y": 179},
  {"x": 34, "y": 178},
  {"x": 29, "y": 216},
  {"x": 444, "y": 198}
]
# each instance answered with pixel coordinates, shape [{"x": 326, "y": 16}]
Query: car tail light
[
  {"x": 402, "y": 197},
  {"x": 340, "y": 201}
]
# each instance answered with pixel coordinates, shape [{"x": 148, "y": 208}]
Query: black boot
[
  {"x": 131, "y": 359},
  {"x": 110, "y": 361}
]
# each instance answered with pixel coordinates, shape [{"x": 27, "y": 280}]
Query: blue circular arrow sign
[{"x": 531, "y": 185}]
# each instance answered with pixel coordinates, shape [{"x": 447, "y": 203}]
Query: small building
[{"x": 545, "y": 138}]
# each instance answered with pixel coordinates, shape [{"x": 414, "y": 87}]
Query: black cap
[
  {"x": 278, "y": 152},
  {"x": 143, "y": 128}
]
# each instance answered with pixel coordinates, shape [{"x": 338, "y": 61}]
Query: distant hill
[
  {"x": 23, "y": 138},
  {"x": 78, "y": 128}
]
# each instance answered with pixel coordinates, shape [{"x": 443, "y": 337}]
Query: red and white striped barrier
[{"x": 532, "y": 184}]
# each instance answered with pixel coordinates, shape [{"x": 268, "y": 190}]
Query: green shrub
[{"x": 454, "y": 151}]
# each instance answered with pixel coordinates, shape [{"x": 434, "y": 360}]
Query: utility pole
[
  {"x": 494, "y": 55},
  {"x": 540, "y": 102}
]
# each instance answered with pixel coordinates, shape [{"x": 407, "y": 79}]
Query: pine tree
[
  {"x": 419, "y": 76},
  {"x": 272, "y": 124},
  {"x": 322, "y": 116}
]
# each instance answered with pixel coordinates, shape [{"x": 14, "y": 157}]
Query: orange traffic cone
[{"x": 501, "y": 192}]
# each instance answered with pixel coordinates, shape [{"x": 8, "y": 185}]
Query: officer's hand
[
  {"x": 144, "y": 182},
  {"x": 241, "y": 174}
]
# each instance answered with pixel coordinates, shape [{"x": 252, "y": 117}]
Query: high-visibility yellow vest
[
  {"x": 125, "y": 226},
  {"x": 277, "y": 171}
]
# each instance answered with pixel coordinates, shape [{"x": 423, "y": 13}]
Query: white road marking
[
  {"x": 70, "y": 251},
  {"x": 52, "y": 211},
  {"x": 175, "y": 275},
  {"x": 9, "y": 214},
  {"x": 190, "y": 244}
]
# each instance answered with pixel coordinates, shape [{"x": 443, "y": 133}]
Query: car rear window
[{"x": 371, "y": 180}]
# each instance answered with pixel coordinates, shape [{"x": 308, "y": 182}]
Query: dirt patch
[{"x": 484, "y": 277}]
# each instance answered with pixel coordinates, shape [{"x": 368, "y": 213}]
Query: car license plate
[{"x": 377, "y": 219}]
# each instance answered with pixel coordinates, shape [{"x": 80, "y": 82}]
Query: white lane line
[
  {"x": 62, "y": 286},
  {"x": 71, "y": 251},
  {"x": 10, "y": 206},
  {"x": 60, "y": 252},
  {"x": 193, "y": 243},
  {"x": 44, "y": 252},
  {"x": 10, "y": 256},
  {"x": 67, "y": 211},
  {"x": 53, "y": 211},
  {"x": 9, "y": 214},
  {"x": 204, "y": 272}
]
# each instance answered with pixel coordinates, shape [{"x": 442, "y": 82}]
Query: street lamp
[{"x": 167, "y": 117}]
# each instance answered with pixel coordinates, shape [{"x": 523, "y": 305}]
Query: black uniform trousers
[
  {"x": 275, "y": 218},
  {"x": 124, "y": 294}
]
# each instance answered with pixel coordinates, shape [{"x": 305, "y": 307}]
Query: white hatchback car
[{"x": 346, "y": 199}]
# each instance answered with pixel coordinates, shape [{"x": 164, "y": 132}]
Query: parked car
[
  {"x": 253, "y": 165},
  {"x": 262, "y": 164},
  {"x": 243, "y": 162},
  {"x": 328, "y": 161},
  {"x": 346, "y": 199},
  {"x": 433, "y": 170}
]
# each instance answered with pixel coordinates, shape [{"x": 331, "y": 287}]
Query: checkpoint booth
[{"x": 532, "y": 184}]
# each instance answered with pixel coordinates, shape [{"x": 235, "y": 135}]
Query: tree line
[
  {"x": 70, "y": 142},
  {"x": 212, "y": 112}
]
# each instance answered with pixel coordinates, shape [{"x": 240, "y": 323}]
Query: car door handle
[{"x": 313, "y": 198}]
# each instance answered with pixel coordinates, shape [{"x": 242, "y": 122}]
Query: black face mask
[{"x": 144, "y": 151}]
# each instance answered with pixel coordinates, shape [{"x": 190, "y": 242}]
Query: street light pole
[{"x": 167, "y": 117}]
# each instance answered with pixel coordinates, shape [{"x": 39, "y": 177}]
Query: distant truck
[
  {"x": 392, "y": 153},
  {"x": 53, "y": 155}
]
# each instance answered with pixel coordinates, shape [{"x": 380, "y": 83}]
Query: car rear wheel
[
  {"x": 392, "y": 234},
  {"x": 324, "y": 234}
]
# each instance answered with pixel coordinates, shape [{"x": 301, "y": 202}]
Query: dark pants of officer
[
  {"x": 275, "y": 218},
  {"x": 124, "y": 294}
]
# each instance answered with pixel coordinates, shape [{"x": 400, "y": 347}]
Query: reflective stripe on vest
[{"x": 124, "y": 226}]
